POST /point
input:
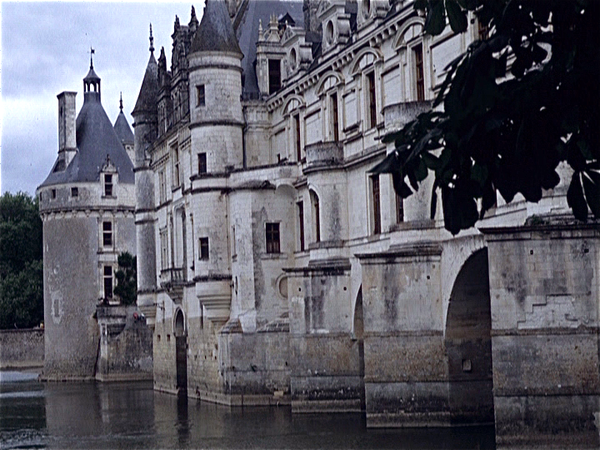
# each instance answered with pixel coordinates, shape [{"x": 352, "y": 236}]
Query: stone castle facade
[{"x": 275, "y": 268}]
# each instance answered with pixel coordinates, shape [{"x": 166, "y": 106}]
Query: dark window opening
[
  {"x": 202, "y": 163},
  {"x": 317, "y": 216},
  {"x": 419, "y": 74},
  {"x": 301, "y": 224},
  {"x": 335, "y": 117},
  {"x": 399, "y": 209},
  {"x": 272, "y": 231},
  {"x": 53, "y": 193},
  {"x": 274, "y": 75},
  {"x": 108, "y": 185},
  {"x": 107, "y": 236},
  {"x": 74, "y": 192},
  {"x": 203, "y": 250},
  {"x": 108, "y": 282},
  {"x": 297, "y": 132},
  {"x": 372, "y": 100},
  {"x": 376, "y": 204},
  {"x": 200, "y": 95}
]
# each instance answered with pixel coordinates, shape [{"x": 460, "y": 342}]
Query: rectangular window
[
  {"x": 371, "y": 100},
  {"x": 297, "y": 136},
  {"x": 108, "y": 185},
  {"x": 176, "y": 177},
  {"x": 202, "y": 163},
  {"x": 399, "y": 209},
  {"x": 53, "y": 193},
  {"x": 317, "y": 216},
  {"x": 162, "y": 186},
  {"x": 203, "y": 249},
  {"x": 272, "y": 234},
  {"x": 200, "y": 95},
  {"x": 419, "y": 74},
  {"x": 301, "y": 224},
  {"x": 376, "y": 198},
  {"x": 335, "y": 117},
  {"x": 274, "y": 75},
  {"x": 164, "y": 249},
  {"x": 74, "y": 192},
  {"x": 108, "y": 282},
  {"x": 107, "y": 234}
]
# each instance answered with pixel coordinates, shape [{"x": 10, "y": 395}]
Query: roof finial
[
  {"x": 151, "y": 41},
  {"x": 121, "y": 102},
  {"x": 92, "y": 51}
]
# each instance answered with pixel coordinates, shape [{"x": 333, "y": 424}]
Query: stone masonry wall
[{"x": 21, "y": 348}]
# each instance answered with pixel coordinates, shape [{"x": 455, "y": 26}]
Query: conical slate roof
[
  {"x": 146, "y": 102},
  {"x": 91, "y": 76},
  {"x": 215, "y": 33},
  {"x": 122, "y": 129},
  {"x": 96, "y": 141}
]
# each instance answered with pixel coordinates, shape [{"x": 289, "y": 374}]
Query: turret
[
  {"x": 91, "y": 83},
  {"x": 145, "y": 126},
  {"x": 215, "y": 83},
  {"x": 124, "y": 132}
]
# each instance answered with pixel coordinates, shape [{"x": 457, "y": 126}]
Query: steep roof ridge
[{"x": 215, "y": 33}]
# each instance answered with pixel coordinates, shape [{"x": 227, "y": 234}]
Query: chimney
[{"x": 67, "y": 142}]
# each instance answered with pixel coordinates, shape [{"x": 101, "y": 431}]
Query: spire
[
  {"x": 151, "y": 41},
  {"x": 215, "y": 32},
  {"x": 193, "y": 25},
  {"x": 91, "y": 82},
  {"x": 92, "y": 51},
  {"x": 121, "y": 102}
]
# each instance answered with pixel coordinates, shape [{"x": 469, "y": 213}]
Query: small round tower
[
  {"x": 145, "y": 118},
  {"x": 87, "y": 205}
]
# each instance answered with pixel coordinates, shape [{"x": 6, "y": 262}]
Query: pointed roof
[
  {"x": 215, "y": 33},
  {"x": 96, "y": 141},
  {"x": 146, "y": 101},
  {"x": 122, "y": 128}
]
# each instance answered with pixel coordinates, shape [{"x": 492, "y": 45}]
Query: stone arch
[
  {"x": 468, "y": 343},
  {"x": 358, "y": 334},
  {"x": 179, "y": 323},
  {"x": 324, "y": 84},
  {"x": 179, "y": 330},
  {"x": 363, "y": 59},
  {"x": 416, "y": 25},
  {"x": 292, "y": 103}
]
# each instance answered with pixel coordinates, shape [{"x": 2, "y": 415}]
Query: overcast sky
[{"x": 45, "y": 51}]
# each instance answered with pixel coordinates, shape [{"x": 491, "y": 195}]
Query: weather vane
[{"x": 92, "y": 51}]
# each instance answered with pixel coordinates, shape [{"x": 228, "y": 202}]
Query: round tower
[
  {"x": 215, "y": 82},
  {"x": 145, "y": 117},
  {"x": 87, "y": 206}
]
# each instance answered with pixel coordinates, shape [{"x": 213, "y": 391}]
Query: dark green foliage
[
  {"x": 508, "y": 134},
  {"x": 126, "y": 276},
  {"x": 21, "y": 268}
]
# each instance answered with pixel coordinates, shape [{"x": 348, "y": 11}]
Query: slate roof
[
  {"x": 147, "y": 99},
  {"x": 96, "y": 139},
  {"x": 215, "y": 33},
  {"x": 247, "y": 33},
  {"x": 122, "y": 129}
]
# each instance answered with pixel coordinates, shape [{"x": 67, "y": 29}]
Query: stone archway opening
[
  {"x": 180, "y": 352},
  {"x": 468, "y": 344},
  {"x": 359, "y": 329}
]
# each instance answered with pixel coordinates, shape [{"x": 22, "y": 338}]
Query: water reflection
[{"x": 132, "y": 415}]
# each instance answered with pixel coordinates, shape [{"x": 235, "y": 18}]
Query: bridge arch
[{"x": 468, "y": 343}]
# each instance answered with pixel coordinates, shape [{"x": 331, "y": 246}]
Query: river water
[{"x": 132, "y": 415}]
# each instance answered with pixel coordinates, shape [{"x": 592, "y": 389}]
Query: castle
[{"x": 275, "y": 268}]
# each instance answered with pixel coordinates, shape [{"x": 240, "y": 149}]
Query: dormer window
[
  {"x": 371, "y": 99},
  {"x": 419, "y": 72},
  {"x": 108, "y": 185},
  {"x": 329, "y": 33},
  {"x": 274, "y": 75}
]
